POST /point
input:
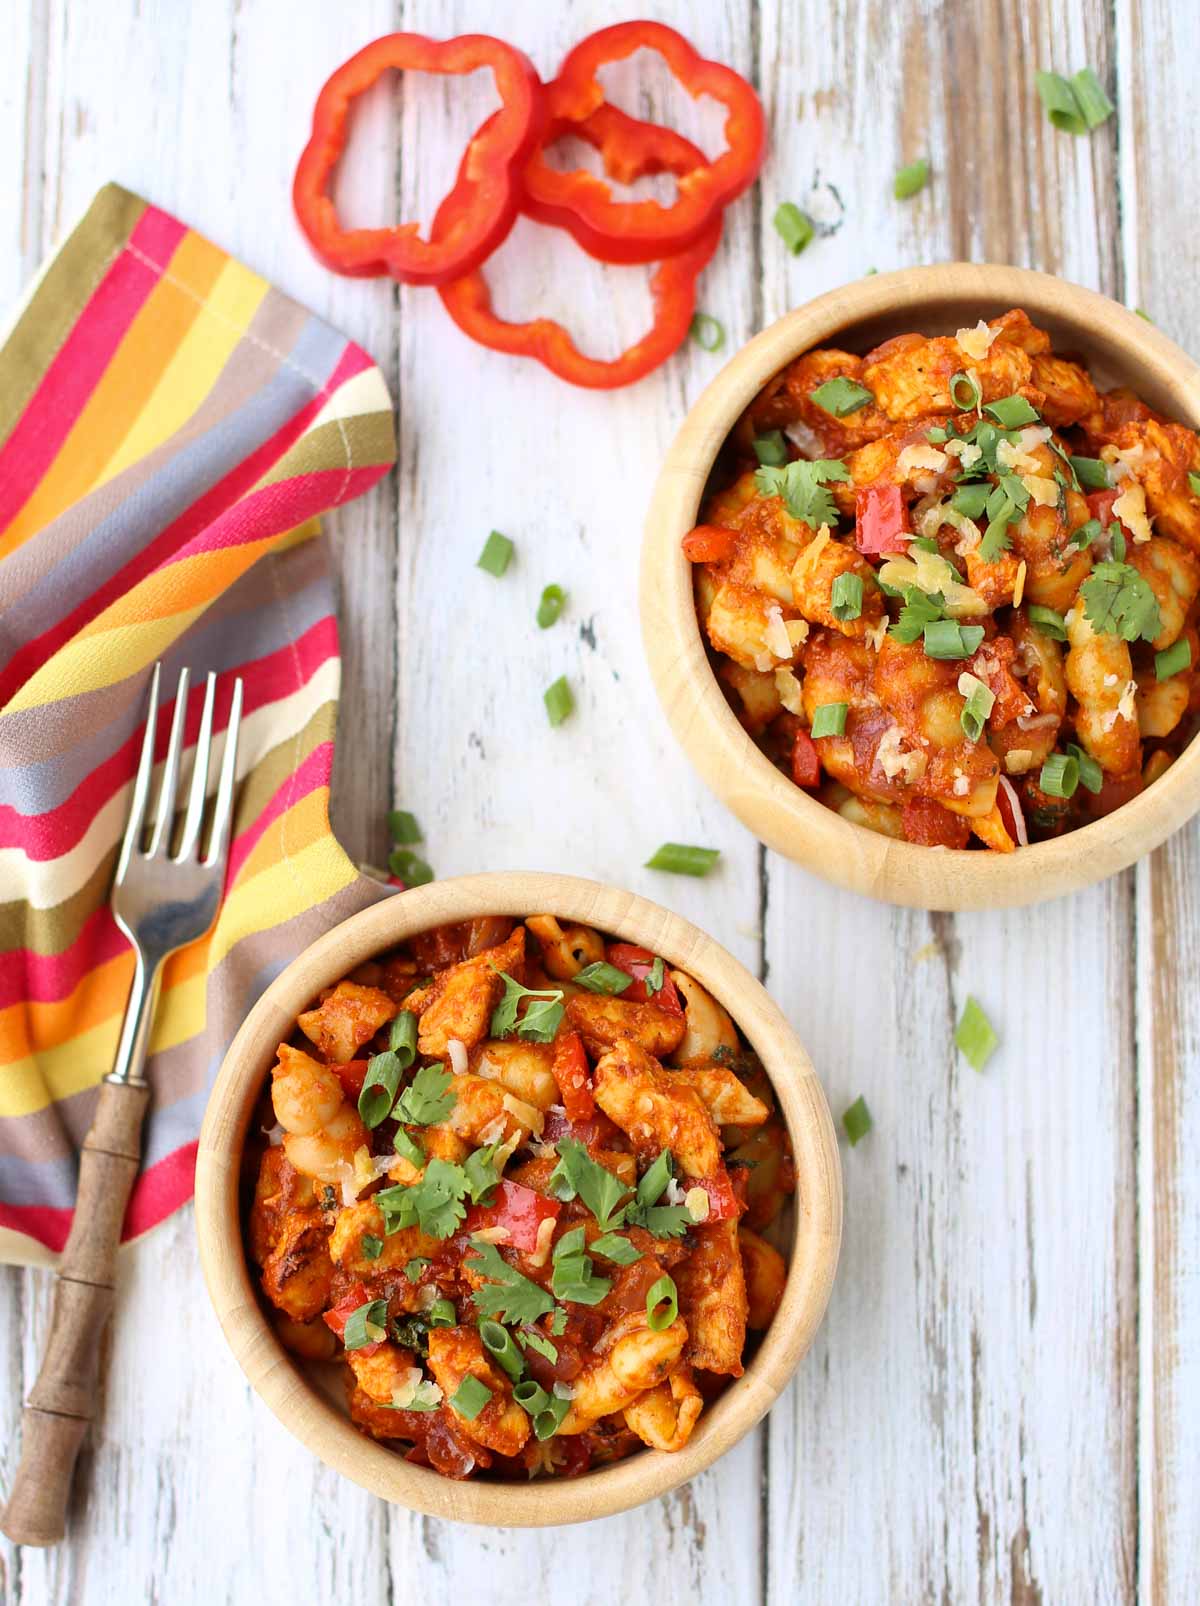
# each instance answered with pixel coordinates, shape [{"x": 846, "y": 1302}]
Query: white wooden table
[{"x": 1004, "y": 1402}]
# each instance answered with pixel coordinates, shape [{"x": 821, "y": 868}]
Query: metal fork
[{"x": 161, "y": 901}]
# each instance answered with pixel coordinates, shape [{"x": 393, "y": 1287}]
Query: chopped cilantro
[
  {"x": 541, "y": 1019},
  {"x": 508, "y": 1296},
  {"x": 577, "y": 1173},
  {"x": 1119, "y": 602},
  {"x": 427, "y": 1099},
  {"x": 804, "y": 488}
]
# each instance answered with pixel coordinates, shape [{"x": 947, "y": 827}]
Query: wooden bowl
[
  {"x": 1120, "y": 348},
  {"x": 281, "y": 1379}
]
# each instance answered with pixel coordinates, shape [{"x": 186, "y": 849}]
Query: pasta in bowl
[{"x": 523, "y": 1205}]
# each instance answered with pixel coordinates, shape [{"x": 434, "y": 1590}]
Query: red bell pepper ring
[
  {"x": 638, "y": 963},
  {"x": 642, "y": 231},
  {"x": 341, "y": 1313},
  {"x": 519, "y": 1210},
  {"x": 882, "y": 523},
  {"x": 487, "y": 191},
  {"x": 574, "y": 1077}
]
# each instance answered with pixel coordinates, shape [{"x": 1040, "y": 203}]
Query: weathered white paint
[{"x": 1004, "y": 1403}]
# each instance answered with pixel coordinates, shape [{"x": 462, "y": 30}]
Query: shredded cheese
[
  {"x": 931, "y": 572},
  {"x": 1019, "y": 760},
  {"x": 529, "y": 1116},
  {"x": 921, "y": 456},
  {"x": 797, "y": 630},
  {"x": 976, "y": 343},
  {"x": 1130, "y": 508},
  {"x": 1127, "y": 707},
  {"x": 697, "y": 1202},
  {"x": 494, "y": 1235},
  {"x": 967, "y": 452},
  {"x": 493, "y": 1131},
  {"x": 894, "y": 761},
  {"x": 545, "y": 1236},
  {"x": 809, "y": 558},
  {"x": 674, "y": 1193},
  {"x": 1011, "y": 455},
  {"x": 1043, "y": 491},
  {"x": 876, "y": 633},
  {"x": 791, "y": 694},
  {"x": 458, "y": 1056},
  {"x": 1019, "y": 583},
  {"x": 776, "y": 635}
]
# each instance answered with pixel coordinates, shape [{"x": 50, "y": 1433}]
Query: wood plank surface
[{"x": 1004, "y": 1402}]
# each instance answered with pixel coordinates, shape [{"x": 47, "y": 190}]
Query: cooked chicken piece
[
  {"x": 786, "y": 403},
  {"x": 1173, "y": 574},
  {"x": 603, "y": 1021},
  {"x": 1160, "y": 457},
  {"x": 460, "y": 1001},
  {"x": 656, "y": 1110},
  {"x": 712, "y": 1299},
  {"x": 456, "y": 1353},
  {"x": 1069, "y": 392},
  {"x": 349, "y": 1017},
  {"x": 635, "y": 1360},
  {"x": 725, "y": 1098},
  {"x": 765, "y": 1271},
  {"x": 297, "y": 1275},
  {"x": 665, "y": 1415},
  {"x": 910, "y": 375}
]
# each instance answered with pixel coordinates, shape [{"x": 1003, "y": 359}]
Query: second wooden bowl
[
  {"x": 293, "y": 1395},
  {"x": 1120, "y": 348}
]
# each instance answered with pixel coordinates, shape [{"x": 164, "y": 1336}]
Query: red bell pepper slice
[
  {"x": 352, "y": 1075},
  {"x": 519, "y": 1210},
  {"x": 638, "y": 963},
  {"x": 806, "y": 762},
  {"x": 487, "y": 191},
  {"x": 341, "y": 1313},
  {"x": 709, "y": 543},
  {"x": 642, "y": 231},
  {"x": 881, "y": 516},
  {"x": 574, "y": 1077},
  {"x": 723, "y": 1202},
  {"x": 597, "y": 1132},
  {"x": 1100, "y": 506}
]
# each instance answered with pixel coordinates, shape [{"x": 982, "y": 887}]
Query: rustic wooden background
[{"x": 1004, "y": 1403}]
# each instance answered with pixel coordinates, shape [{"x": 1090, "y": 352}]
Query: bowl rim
[
  {"x": 767, "y": 802},
  {"x": 278, "y": 1379}
]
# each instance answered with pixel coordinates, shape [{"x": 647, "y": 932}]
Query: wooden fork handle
[{"x": 63, "y": 1400}]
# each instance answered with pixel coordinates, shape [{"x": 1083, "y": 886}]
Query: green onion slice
[
  {"x": 470, "y": 1397},
  {"x": 847, "y": 597},
  {"x": 911, "y": 179},
  {"x": 379, "y": 1088},
  {"x": 708, "y": 332},
  {"x": 414, "y": 1267},
  {"x": 410, "y": 869},
  {"x": 794, "y": 227},
  {"x": 1092, "y": 473},
  {"x": 553, "y": 601},
  {"x": 531, "y": 1396},
  {"x": 601, "y": 977},
  {"x": 403, "y": 827},
  {"x": 409, "y": 1149},
  {"x": 681, "y": 858},
  {"x": 829, "y": 719},
  {"x": 442, "y": 1314},
  {"x": 965, "y": 392},
  {"x": 841, "y": 396},
  {"x": 1090, "y": 773},
  {"x": 1061, "y": 103},
  {"x": 981, "y": 699},
  {"x": 547, "y": 1422},
  {"x": 501, "y": 1345},
  {"x": 1011, "y": 412},
  {"x": 496, "y": 555},
  {"x": 662, "y": 1304},
  {"x": 366, "y": 1325},
  {"x": 402, "y": 1038},
  {"x": 947, "y": 639},
  {"x": 1194, "y": 484},
  {"x": 1116, "y": 540},
  {"x": 771, "y": 449},
  {"x": 1047, "y": 621},
  {"x": 857, "y": 1120},
  {"x": 1085, "y": 534},
  {"x": 1093, "y": 103},
  {"x": 1172, "y": 659},
  {"x": 1060, "y": 775},
  {"x": 615, "y": 1248},
  {"x": 975, "y": 1036},
  {"x": 558, "y": 700}
]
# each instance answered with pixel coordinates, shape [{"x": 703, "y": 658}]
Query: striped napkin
[{"x": 170, "y": 428}]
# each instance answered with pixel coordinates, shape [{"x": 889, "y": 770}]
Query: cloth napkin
[{"x": 170, "y": 427}]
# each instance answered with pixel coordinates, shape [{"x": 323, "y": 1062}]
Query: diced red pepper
[
  {"x": 341, "y": 1313},
  {"x": 1100, "y": 506},
  {"x": 598, "y": 1132},
  {"x": 574, "y": 1077},
  {"x": 882, "y": 522},
  {"x": 927, "y": 822},
  {"x": 709, "y": 543},
  {"x": 806, "y": 762},
  {"x": 519, "y": 1210},
  {"x": 486, "y": 193},
  {"x": 642, "y": 231},
  {"x": 723, "y": 1202},
  {"x": 638, "y": 963},
  {"x": 352, "y": 1075}
]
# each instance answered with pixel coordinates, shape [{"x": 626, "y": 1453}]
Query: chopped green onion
[
  {"x": 1116, "y": 540},
  {"x": 403, "y": 827},
  {"x": 925, "y": 543},
  {"x": 1061, "y": 103},
  {"x": 547, "y": 1423},
  {"x": 1093, "y": 103},
  {"x": 558, "y": 700},
  {"x": 909, "y": 180},
  {"x": 680, "y": 858},
  {"x": 857, "y": 1120},
  {"x": 1142, "y": 313},
  {"x": 1011, "y": 412},
  {"x": 974, "y": 392},
  {"x": 409, "y": 1149},
  {"x": 708, "y": 332},
  {"x": 1092, "y": 473},
  {"x": 415, "y": 1267},
  {"x": 947, "y": 639},
  {"x": 1090, "y": 773},
  {"x": 974, "y": 1035},
  {"x": 1047, "y": 621},
  {"x": 829, "y": 719},
  {"x": 371, "y": 1246},
  {"x": 379, "y": 1088},
  {"x": 496, "y": 555},
  {"x": 794, "y": 227},
  {"x": 771, "y": 449},
  {"x": 981, "y": 699},
  {"x": 1194, "y": 484},
  {"x": 407, "y": 867},
  {"x": 652, "y": 981},
  {"x": 970, "y": 500},
  {"x": 841, "y": 396},
  {"x": 655, "y": 1179},
  {"x": 1172, "y": 659},
  {"x": 615, "y": 1248},
  {"x": 847, "y": 597},
  {"x": 442, "y": 1314},
  {"x": 937, "y": 435},
  {"x": 470, "y": 1397},
  {"x": 554, "y": 600},
  {"x": 501, "y": 1345},
  {"x": 662, "y": 1304},
  {"x": 601, "y": 977},
  {"x": 1060, "y": 775},
  {"x": 531, "y": 1396},
  {"x": 366, "y": 1325},
  {"x": 1085, "y": 535},
  {"x": 402, "y": 1038}
]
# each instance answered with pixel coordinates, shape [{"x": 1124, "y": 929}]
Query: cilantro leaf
[
  {"x": 803, "y": 487},
  {"x": 577, "y": 1173},
  {"x": 920, "y": 609},
  {"x": 508, "y": 1296},
  {"x": 1118, "y": 601},
  {"x": 371, "y": 1246},
  {"x": 435, "y": 1203},
  {"x": 541, "y": 1019},
  {"x": 662, "y": 1221},
  {"x": 654, "y": 977},
  {"x": 532, "y": 1339},
  {"x": 482, "y": 1173},
  {"x": 411, "y": 1332},
  {"x": 428, "y": 1097},
  {"x": 558, "y": 1322}
]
